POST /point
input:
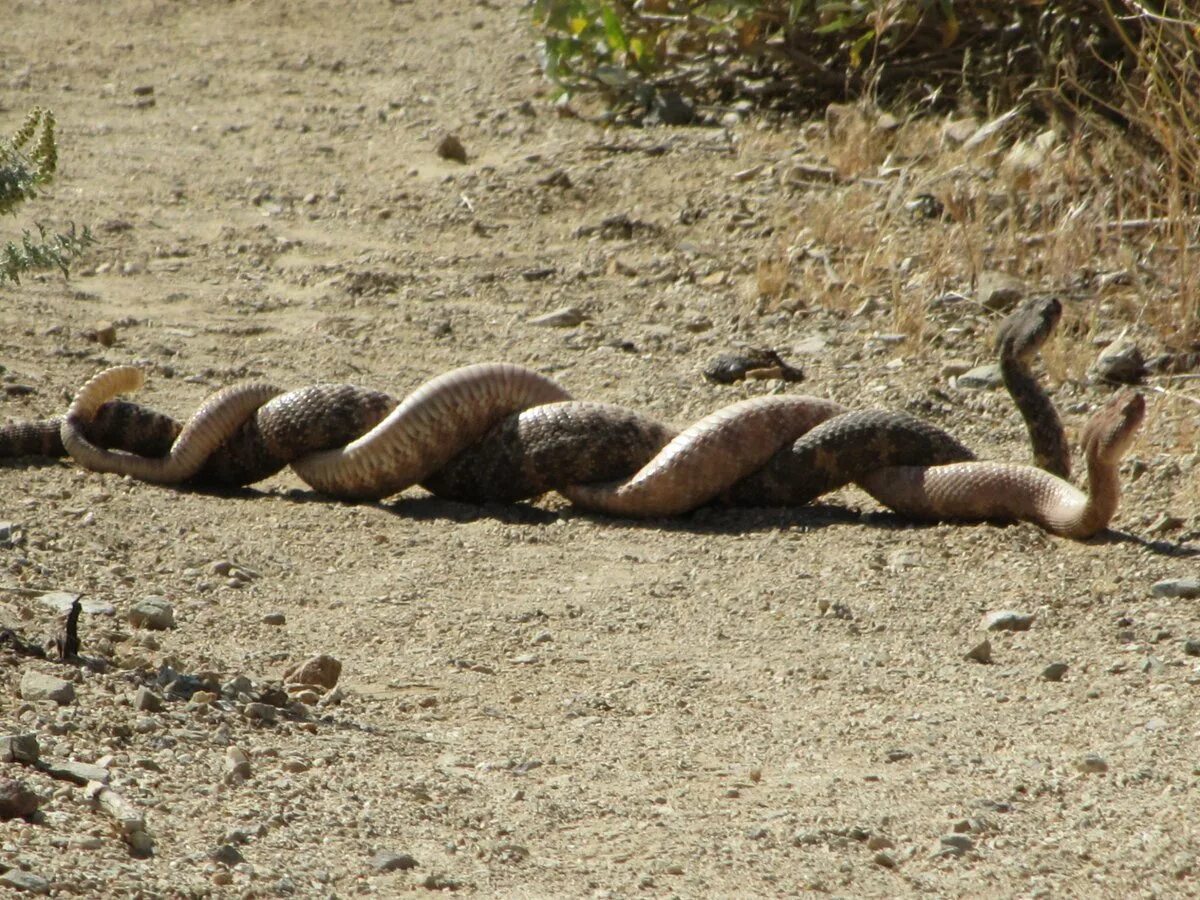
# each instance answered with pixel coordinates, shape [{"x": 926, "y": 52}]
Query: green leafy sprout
[{"x": 28, "y": 163}]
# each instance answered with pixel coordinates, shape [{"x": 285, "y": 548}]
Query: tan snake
[{"x": 498, "y": 431}]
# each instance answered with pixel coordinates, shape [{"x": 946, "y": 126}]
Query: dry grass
[
  {"x": 1070, "y": 352},
  {"x": 772, "y": 278},
  {"x": 1070, "y": 215}
]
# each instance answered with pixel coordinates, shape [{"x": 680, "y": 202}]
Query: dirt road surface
[{"x": 536, "y": 702}]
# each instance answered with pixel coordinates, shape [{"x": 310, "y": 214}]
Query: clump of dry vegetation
[{"x": 1090, "y": 172}]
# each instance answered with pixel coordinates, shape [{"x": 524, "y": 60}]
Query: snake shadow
[
  {"x": 1171, "y": 549},
  {"x": 714, "y": 520},
  {"x": 708, "y": 520}
]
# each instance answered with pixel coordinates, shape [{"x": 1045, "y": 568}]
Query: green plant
[
  {"x": 1135, "y": 63},
  {"x": 28, "y": 162},
  {"x": 788, "y": 53},
  {"x": 1118, "y": 80}
]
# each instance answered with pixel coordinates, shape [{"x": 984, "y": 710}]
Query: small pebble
[
  {"x": 274, "y": 618},
  {"x": 387, "y": 861},
  {"x": 78, "y": 772},
  {"x": 152, "y": 612},
  {"x": 955, "y": 367},
  {"x": 17, "y": 800},
  {"x": 105, "y": 334},
  {"x": 239, "y": 684},
  {"x": 145, "y": 700},
  {"x": 227, "y": 855},
  {"x": 563, "y": 317},
  {"x": 1007, "y": 620},
  {"x": 1185, "y": 588},
  {"x": 36, "y": 686},
  {"x": 981, "y": 378},
  {"x": 237, "y": 765},
  {"x": 19, "y": 748},
  {"x": 1092, "y": 763},
  {"x": 61, "y": 601},
  {"x": 1055, "y": 671},
  {"x": 1165, "y": 522},
  {"x": 322, "y": 670},
  {"x": 24, "y": 881},
  {"x": 999, "y": 291},
  {"x": 980, "y": 653},
  {"x": 450, "y": 147},
  {"x": 956, "y": 843},
  {"x": 1122, "y": 362},
  {"x": 260, "y": 712}
]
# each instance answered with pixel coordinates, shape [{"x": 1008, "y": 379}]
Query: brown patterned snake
[{"x": 502, "y": 432}]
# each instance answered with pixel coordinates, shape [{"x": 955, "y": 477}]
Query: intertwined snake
[{"x": 502, "y": 432}]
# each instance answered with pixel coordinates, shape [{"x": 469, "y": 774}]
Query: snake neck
[
  {"x": 1046, "y": 435},
  {"x": 1104, "y": 493}
]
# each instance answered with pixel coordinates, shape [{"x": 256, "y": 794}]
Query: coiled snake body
[{"x": 502, "y": 432}]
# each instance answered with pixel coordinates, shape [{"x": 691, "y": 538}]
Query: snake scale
[{"x": 500, "y": 432}]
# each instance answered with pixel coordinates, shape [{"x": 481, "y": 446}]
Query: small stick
[
  {"x": 131, "y": 822},
  {"x": 34, "y": 591},
  {"x": 66, "y": 642},
  {"x": 1174, "y": 395}
]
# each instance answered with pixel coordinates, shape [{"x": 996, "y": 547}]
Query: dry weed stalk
[
  {"x": 1071, "y": 214},
  {"x": 1158, "y": 150}
]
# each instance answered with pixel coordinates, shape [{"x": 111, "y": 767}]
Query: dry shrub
[{"x": 1116, "y": 81}]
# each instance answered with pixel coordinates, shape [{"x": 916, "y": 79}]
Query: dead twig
[
  {"x": 131, "y": 823},
  {"x": 1124, "y": 226},
  {"x": 66, "y": 642}
]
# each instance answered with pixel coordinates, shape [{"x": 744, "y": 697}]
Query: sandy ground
[{"x": 536, "y": 702}]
